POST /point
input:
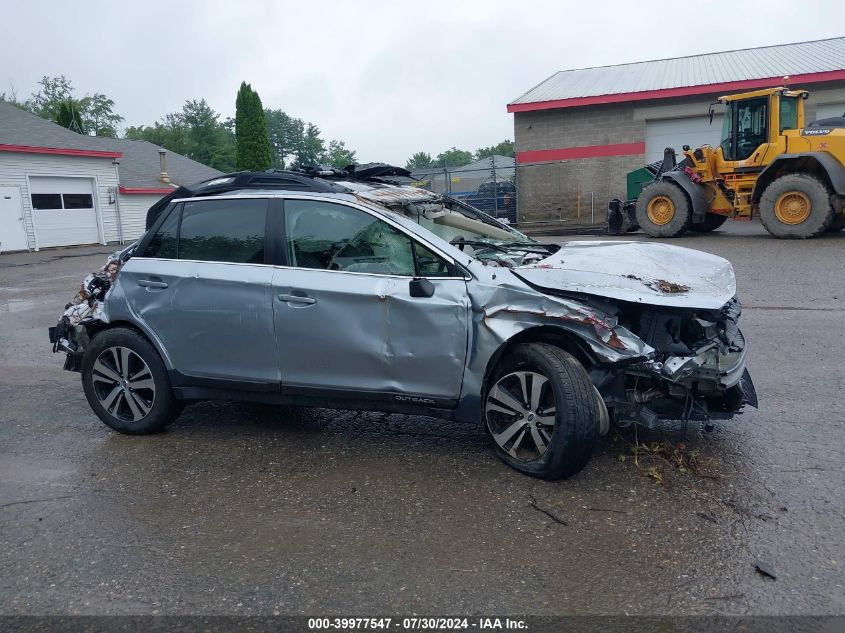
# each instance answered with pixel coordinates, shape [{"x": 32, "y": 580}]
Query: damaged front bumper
[{"x": 707, "y": 381}]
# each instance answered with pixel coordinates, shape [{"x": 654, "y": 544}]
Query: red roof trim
[
  {"x": 62, "y": 151},
  {"x": 145, "y": 190},
  {"x": 666, "y": 93},
  {"x": 587, "y": 151}
]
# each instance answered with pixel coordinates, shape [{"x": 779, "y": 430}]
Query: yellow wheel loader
[{"x": 768, "y": 164}]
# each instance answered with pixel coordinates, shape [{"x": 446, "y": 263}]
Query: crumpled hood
[{"x": 640, "y": 272}]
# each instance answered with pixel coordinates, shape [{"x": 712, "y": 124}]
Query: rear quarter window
[
  {"x": 213, "y": 231},
  {"x": 163, "y": 244},
  {"x": 223, "y": 231}
]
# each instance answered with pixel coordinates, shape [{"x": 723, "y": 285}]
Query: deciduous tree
[{"x": 420, "y": 160}]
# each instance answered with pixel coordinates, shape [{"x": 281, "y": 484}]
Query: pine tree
[{"x": 252, "y": 141}]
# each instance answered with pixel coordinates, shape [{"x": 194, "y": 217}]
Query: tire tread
[{"x": 819, "y": 195}]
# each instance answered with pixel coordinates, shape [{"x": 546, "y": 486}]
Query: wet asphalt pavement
[{"x": 240, "y": 509}]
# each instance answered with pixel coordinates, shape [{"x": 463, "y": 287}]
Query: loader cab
[{"x": 754, "y": 123}]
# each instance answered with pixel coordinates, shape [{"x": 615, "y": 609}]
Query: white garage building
[{"x": 60, "y": 188}]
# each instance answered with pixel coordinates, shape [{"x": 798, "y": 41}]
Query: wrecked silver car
[{"x": 345, "y": 289}]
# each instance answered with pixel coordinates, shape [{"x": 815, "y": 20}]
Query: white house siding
[
  {"x": 16, "y": 166},
  {"x": 133, "y": 214}
]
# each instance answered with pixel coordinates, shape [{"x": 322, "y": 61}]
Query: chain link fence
[
  {"x": 533, "y": 195},
  {"x": 488, "y": 184}
]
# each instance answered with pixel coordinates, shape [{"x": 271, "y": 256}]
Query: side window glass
[
  {"x": 163, "y": 243},
  {"x": 329, "y": 236},
  {"x": 431, "y": 265},
  {"x": 223, "y": 231},
  {"x": 788, "y": 113},
  {"x": 752, "y": 126}
]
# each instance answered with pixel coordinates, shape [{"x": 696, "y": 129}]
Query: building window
[
  {"x": 46, "y": 201},
  {"x": 78, "y": 200}
]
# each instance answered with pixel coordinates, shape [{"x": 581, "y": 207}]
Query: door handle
[
  {"x": 149, "y": 283},
  {"x": 297, "y": 299}
]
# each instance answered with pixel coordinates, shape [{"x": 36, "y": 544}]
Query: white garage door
[
  {"x": 829, "y": 110},
  {"x": 63, "y": 210},
  {"x": 694, "y": 131}
]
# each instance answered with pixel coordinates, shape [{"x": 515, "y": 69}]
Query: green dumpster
[{"x": 636, "y": 179}]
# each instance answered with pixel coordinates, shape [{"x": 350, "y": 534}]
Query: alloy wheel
[
  {"x": 123, "y": 384},
  {"x": 520, "y": 414}
]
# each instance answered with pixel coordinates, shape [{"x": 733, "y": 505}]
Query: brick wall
[{"x": 563, "y": 188}]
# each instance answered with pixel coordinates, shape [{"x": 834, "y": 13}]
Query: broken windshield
[{"x": 472, "y": 231}]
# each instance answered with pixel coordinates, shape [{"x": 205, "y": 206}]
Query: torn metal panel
[
  {"x": 390, "y": 194},
  {"x": 640, "y": 272},
  {"x": 504, "y": 306},
  {"x": 86, "y": 306}
]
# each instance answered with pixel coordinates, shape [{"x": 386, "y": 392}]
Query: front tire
[
  {"x": 541, "y": 412},
  {"x": 796, "y": 206},
  {"x": 126, "y": 383},
  {"x": 663, "y": 210}
]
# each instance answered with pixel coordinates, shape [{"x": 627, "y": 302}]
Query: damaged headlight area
[
  {"x": 85, "y": 310},
  {"x": 697, "y": 371}
]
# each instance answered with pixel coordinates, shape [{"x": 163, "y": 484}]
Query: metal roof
[
  {"x": 504, "y": 168},
  {"x": 139, "y": 160},
  {"x": 820, "y": 60}
]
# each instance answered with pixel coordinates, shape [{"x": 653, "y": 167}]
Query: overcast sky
[{"x": 388, "y": 77}]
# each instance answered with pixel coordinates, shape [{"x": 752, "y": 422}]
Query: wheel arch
[
  {"x": 99, "y": 328},
  {"x": 822, "y": 165},
  {"x": 694, "y": 193},
  {"x": 550, "y": 334}
]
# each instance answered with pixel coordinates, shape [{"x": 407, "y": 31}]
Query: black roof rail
[
  {"x": 315, "y": 178},
  {"x": 271, "y": 179}
]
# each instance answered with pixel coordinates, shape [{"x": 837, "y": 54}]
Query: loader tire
[
  {"x": 796, "y": 206},
  {"x": 663, "y": 210},
  {"x": 711, "y": 222}
]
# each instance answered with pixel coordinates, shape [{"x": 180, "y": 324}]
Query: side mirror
[
  {"x": 421, "y": 288},
  {"x": 710, "y": 113}
]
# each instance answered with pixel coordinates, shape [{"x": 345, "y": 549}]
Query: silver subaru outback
[{"x": 347, "y": 290}]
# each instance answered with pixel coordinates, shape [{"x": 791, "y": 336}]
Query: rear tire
[
  {"x": 711, "y": 222},
  {"x": 663, "y": 210},
  {"x": 126, "y": 383},
  {"x": 796, "y": 206},
  {"x": 541, "y": 412}
]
